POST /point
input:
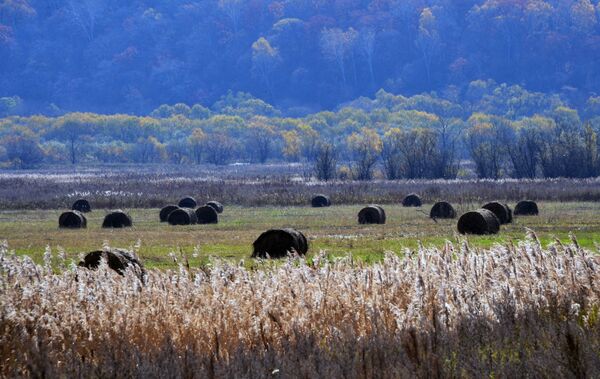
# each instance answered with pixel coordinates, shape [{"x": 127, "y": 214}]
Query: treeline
[
  {"x": 504, "y": 131},
  {"x": 112, "y": 56}
]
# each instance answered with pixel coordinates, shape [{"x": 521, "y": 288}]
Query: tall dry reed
[{"x": 505, "y": 312}]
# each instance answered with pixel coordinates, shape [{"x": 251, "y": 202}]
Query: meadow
[
  {"x": 333, "y": 231},
  {"x": 411, "y": 298}
]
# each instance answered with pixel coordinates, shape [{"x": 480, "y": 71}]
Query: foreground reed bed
[{"x": 507, "y": 311}]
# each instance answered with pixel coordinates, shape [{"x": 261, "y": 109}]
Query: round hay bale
[
  {"x": 117, "y": 259},
  {"x": 117, "y": 219},
  {"x": 373, "y": 214},
  {"x": 82, "y": 205},
  {"x": 481, "y": 221},
  {"x": 412, "y": 200},
  {"x": 526, "y": 208},
  {"x": 320, "y": 201},
  {"x": 72, "y": 220},
  {"x": 164, "y": 212},
  {"x": 182, "y": 216},
  {"x": 442, "y": 209},
  {"x": 278, "y": 243},
  {"x": 187, "y": 202},
  {"x": 216, "y": 205},
  {"x": 207, "y": 215},
  {"x": 502, "y": 211}
]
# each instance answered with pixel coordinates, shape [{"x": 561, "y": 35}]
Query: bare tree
[
  {"x": 366, "y": 147},
  {"x": 233, "y": 10},
  {"x": 85, "y": 13},
  {"x": 325, "y": 162}
]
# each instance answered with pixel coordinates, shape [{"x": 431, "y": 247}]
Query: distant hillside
[{"x": 111, "y": 56}]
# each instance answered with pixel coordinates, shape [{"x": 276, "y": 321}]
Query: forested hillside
[{"x": 302, "y": 56}]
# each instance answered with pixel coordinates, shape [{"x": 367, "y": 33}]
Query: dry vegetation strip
[
  {"x": 454, "y": 311},
  {"x": 156, "y": 186}
]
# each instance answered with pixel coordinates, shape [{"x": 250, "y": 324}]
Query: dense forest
[{"x": 302, "y": 56}]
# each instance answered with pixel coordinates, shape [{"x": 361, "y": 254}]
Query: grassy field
[{"x": 332, "y": 230}]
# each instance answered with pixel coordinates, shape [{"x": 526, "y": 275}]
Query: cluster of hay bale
[
  {"x": 117, "y": 219},
  {"x": 117, "y": 259},
  {"x": 372, "y": 214},
  {"x": 72, "y": 220},
  {"x": 493, "y": 214},
  {"x": 412, "y": 200},
  {"x": 320, "y": 201},
  {"x": 178, "y": 215},
  {"x": 526, "y": 208},
  {"x": 442, "y": 210},
  {"x": 81, "y": 205},
  {"x": 278, "y": 243},
  {"x": 75, "y": 218}
]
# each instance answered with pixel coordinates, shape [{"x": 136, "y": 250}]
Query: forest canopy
[{"x": 302, "y": 56}]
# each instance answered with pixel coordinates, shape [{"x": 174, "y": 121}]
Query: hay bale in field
[
  {"x": 164, "y": 212},
  {"x": 216, "y": 205},
  {"x": 373, "y": 214},
  {"x": 502, "y": 211},
  {"x": 72, "y": 220},
  {"x": 82, "y": 205},
  {"x": 117, "y": 259},
  {"x": 320, "y": 201},
  {"x": 442, "y": 209},
  {"x": 187, "y": 202},
  {"x": 278, "y": 243},
  {"x": 412, "y": 200},
  {"x": 117, "y": 219},
  {"x": 481, "y": 221},
  {"x": 526, "y": 208},
  {"x": 182, "y": 216},
  {"x": 207, "y": 215}
]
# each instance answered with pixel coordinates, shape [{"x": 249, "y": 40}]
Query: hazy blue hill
[{"x": 302, "y": 56}]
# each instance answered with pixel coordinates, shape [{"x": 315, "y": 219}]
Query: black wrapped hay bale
[
  {"x": 182, "y": 216},
  {"x": 72, "y": 220},
  {"x": 278, "y": 243},
  {"x": 82, "y": 205},
  {"x": 412, "y": 200},
  {"x": 320, "y": 201},
  {"x": 526, "y": 208},
  {"x": 164, "y": 212},
  {"x": 207, "y": 215},
  {"x": 480, "y": 222},
  {"x": 373, "y": 214},
  {"x": 117, "y": 219},
  {"x": 502, "y": 211},
  {"x": 187, "y": 202},
  {"x": 117, "y": 259},
  {"x": 216, "y": 205},
  {"x": 442, "y": 209}
]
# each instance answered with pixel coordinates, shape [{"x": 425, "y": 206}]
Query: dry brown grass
[{"x": 503, "y": 312}]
